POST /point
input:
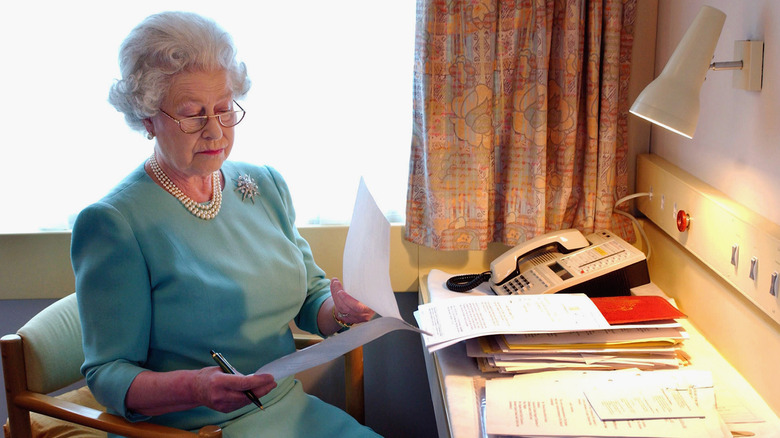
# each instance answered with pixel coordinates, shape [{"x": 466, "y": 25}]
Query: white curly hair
[{"x": 160, "y": 47}]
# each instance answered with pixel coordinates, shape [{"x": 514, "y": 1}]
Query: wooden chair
[{"x": 45, "y": 355}]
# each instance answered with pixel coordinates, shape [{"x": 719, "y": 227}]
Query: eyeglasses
[{"x": 191, "y": 125}]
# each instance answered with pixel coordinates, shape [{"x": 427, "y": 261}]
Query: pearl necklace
[{"x": 207, "y": 210}]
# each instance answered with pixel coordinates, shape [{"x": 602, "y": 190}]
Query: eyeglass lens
[{"x": 194, "y": 124}]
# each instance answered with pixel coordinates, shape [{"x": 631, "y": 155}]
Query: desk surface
[{"x": 454, "y": 380}]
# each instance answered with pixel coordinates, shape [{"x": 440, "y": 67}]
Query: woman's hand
[
  {"x": 155, "y": 393},
  {"x": 348, "y": 309},
  {"x": 223, "y": 392},
  {"x": 343, "y": 308}
]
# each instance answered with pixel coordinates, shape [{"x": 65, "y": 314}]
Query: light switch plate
[{"x": 717, "y": 224}]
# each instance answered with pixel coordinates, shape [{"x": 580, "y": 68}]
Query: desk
[{"x": 455, "y": 379}]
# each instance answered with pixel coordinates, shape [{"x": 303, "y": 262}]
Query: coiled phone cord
[{"x": 466, "y": 282}]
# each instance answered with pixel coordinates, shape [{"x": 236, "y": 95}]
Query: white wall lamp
[{"x": 672, "y": 99}]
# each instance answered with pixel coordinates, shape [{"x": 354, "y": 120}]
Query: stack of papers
[
  {"x": 530, "y": 333},
  {"x": 585, "y": 348},
  {"x": 639, "y": 348},
  {"x": 644, "y": 335}
]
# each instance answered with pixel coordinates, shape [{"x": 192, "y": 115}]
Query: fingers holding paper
[{"x": 347, "y": 309}]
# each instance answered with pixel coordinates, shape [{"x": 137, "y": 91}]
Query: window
[{"x": 331, "y": 101}]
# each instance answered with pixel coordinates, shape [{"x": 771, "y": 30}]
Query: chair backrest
[
  {"x": 45, "y": 355},
  {"x": 53, "y": 336}
]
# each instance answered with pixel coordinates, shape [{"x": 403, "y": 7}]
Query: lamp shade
[{"x": 672, "y": 99}]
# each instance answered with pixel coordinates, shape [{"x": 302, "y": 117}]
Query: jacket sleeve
[
  {"x": 318, "y": 286},
  {"x": 112, "y": 287}
]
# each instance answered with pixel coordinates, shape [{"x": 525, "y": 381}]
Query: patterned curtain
[{"x": 520, "y": 111}]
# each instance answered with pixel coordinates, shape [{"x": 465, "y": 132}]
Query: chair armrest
[
  {"x": 74, "y": 413},
  {"x": 353, "y": 373},
  {"x": 303, "y": 340}
]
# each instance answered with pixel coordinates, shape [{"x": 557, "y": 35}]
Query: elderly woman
[{"x": 191, "y": 252}]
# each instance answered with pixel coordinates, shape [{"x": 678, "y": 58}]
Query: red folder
[{"x": 636, "y": 309}]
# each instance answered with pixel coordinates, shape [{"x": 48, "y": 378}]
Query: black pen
[{"x": 227, "y": 368}]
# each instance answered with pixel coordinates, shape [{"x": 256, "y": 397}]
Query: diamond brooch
[{"x": 247, "y": 187}]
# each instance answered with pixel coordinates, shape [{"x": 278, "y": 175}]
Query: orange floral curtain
[{"x": 520, "y": 112}]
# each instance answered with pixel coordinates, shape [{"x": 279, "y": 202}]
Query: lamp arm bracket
[{"x": 726, "y": 65}]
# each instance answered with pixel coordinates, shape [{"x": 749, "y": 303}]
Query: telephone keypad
[{"x": 522, "y": 285}]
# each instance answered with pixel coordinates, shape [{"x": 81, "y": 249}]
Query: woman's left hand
[{"x": 347, "y": 309}]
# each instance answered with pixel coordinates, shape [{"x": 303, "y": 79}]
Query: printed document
[
  {"x": 556, "y": 404},
  {"x": 451, "y": 321},
  {"x": 641, "y": 403}
]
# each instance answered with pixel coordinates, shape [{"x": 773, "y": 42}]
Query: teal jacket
[{"x": 158, "y": 288}]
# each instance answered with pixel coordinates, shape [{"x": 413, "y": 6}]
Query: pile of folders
[{"x": 645, "y": 334}]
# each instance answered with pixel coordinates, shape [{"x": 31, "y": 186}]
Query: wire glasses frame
[{"x": 192, "y": 125}]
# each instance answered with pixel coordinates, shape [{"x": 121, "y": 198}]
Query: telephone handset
[
  {"x": 600, "y": 264},
  {"x": 509, "y": 263}
]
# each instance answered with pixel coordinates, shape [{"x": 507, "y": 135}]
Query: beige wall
[
  {"x": 735, "y": 147},
  {"x": 34, "y": 266}
]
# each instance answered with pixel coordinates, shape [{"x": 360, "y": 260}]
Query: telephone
[{"x": 598, "y": 265}]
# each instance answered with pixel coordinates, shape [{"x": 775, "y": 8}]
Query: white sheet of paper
[
  {"x": 333, "y": 347},
  {"x": 367, "y": 279},
  {"x": 367, "y": 256}
]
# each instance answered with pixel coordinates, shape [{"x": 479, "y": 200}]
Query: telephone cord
[{"x": 466, "y": 282}]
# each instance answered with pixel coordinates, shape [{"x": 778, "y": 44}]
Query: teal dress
[{"x": 158, "y": 288}]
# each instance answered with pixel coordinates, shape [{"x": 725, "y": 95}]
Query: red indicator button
[{"x": 683, "y": 221}]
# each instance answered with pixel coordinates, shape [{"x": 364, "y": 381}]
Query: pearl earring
[{"x": 149, "y": 135}]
